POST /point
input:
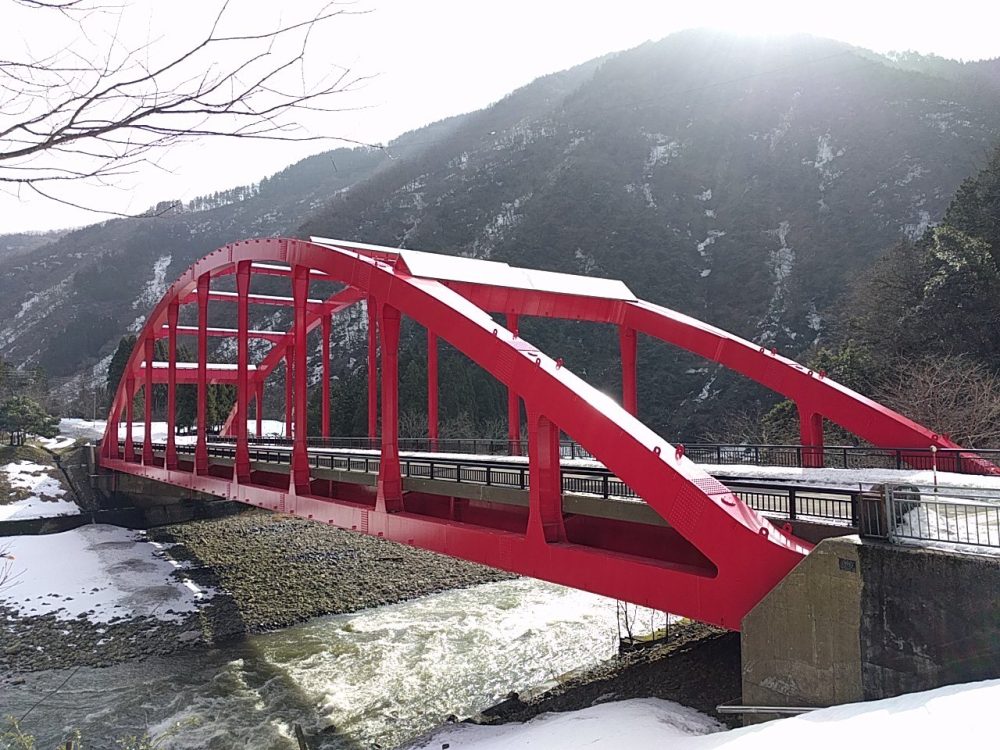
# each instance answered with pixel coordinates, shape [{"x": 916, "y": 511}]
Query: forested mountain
[
  {"x": 922, "y": 327},
  {"x": 746, "y": 182},
  {"x": 66, "y": 298}
]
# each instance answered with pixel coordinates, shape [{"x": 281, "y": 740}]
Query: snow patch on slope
[
  {"x": 154, "y": 290},
  {"x": 781, "y": 262}
]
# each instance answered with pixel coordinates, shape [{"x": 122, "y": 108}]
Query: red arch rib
[{"x": 748, "y": 555}]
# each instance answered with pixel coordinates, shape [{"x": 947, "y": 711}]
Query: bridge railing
[
  {"x": 474, "y": 446},
  {"x": 838, "y": 505},
  {"x": 908, "y": 513},
  {"x": 959, "y": 460}
]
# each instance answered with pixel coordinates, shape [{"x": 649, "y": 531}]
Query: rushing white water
[{"x": 373, "y": 678}]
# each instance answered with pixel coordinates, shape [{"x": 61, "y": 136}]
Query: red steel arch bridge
[{"x": 677, "y": 540}]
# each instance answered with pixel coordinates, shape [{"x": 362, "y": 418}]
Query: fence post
[
  {"x": 890, "y": 521},
  {"x": 791, "y": 505},
  {"x": 605, "y": 489}
]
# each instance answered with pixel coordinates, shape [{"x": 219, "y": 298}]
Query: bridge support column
[
  {"x": 325, "y": 380},
  {"x": 129, "y": 418},
  {"x": 628, "y": 345},
  {"x": 241, "y": 472},
  {"x": 289, "y": 356},
  {"x": 545, "y": 516},
  {"x": 389, "y": 498},
  {"x": 201, "y": 446},
  {"x": 300, "y": 446},
  {"x": 432, "y": 389},
  {"x": 171, "y": 454},
  {"x": 147, "y": 413},
  {"x": 259, "y": 406},
  {"x": 811, "y": 437},
  {"x": 372, "y": 368},
  {"x": 513, "y": 402}
]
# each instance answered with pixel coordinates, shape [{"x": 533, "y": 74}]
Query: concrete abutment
[{"x": 861, "y": 620}]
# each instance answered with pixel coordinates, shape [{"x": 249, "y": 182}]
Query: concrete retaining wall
[{"x": 863, "y": 620}]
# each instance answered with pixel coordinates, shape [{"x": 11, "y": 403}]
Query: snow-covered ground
[
  {"x": 854, "y": 477},
  {"x": 45, "y": 496},
  {"x": 57, "y": 443},
  {"x": 99, "y": 571},
  {"x": 90, "y": 429},
  {"x": 955, "y": 716},
  {"x": 86, "y": 429}
]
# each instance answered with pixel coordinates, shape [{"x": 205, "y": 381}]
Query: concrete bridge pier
[{"x": 861, "y": 620}]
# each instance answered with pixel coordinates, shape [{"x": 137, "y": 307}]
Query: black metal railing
[
  {"x": 908, "y": 513},
  {"x": 474, "y": 446},
  {"x": 959, "y": 460},
  {"x": 837, "y": 505}
]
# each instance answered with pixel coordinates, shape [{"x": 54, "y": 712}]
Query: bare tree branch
[{"x": 98, "y": 113}]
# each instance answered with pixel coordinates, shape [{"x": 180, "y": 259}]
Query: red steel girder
[{"x": 744, "y": 555}]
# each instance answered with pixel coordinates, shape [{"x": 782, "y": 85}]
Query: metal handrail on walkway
[
  {"x": 962, "y": 461},
  {"x": 838, "y": 505},
  {"x": 905, "y": 513}
]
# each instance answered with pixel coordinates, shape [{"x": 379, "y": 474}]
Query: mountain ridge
[{"x": 741, "y": 181}]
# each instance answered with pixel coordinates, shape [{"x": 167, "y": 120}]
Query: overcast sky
[{"x": 435, "y": 58}]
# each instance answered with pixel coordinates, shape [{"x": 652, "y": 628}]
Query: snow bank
[
  {"x": 86, "y": 429},
  {"x": 56, "y": 443},
  {"x": 46, "y": 498},
  {"x": 953, "y": 716},
  {"x": 639, "y": 723},
  {"x": 101, "y": 572}
]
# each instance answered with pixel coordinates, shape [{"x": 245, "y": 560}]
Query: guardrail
[
  {"x": 836, "y": 505},
  {"x": 474, "y": 446},
  {"x": 959, "y": 460},
  {"x": 908, "y": 513}
]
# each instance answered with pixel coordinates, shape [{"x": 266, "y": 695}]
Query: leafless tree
[
  {"x": 105, "y": 104},
  {"x": 954, "y": 395}
]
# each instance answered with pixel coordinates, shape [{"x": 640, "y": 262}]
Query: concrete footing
[{"x": 861, "y": 620}]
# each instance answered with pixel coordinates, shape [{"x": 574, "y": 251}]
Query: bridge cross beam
[
  {"x": 300, "y": 445},
  {"x": 201, "y": 446},
  {"x": 811, "y": 437},
  {"x": 513, "y": 402},
  {"x": 432, "y": 388},
  {"x": 627, "y": 341},
  {"x": 389, "y": 495},
  {"x": 241, "y": 471},
  {"x": 545, "y": 515},
  {"x": 129, "y": 417},
  {"x": 149, "y": 344},
  {"x": 259, "y": 406},
  {"x": 372, "y": 368},
  {"x": 325, "y": 381},
  {"x": 170, "y": 460},
  {"x": 289, "y": 375}
]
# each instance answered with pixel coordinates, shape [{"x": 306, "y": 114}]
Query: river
[{"x": 375, "y": 678}]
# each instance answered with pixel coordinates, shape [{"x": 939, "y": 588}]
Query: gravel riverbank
[{"x": 278, "y": 570}]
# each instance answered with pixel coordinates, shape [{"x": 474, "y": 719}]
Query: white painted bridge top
[{"x": 474, "y": 271}]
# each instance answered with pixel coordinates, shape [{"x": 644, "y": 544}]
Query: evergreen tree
[{"x": 21, "y": 416}]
